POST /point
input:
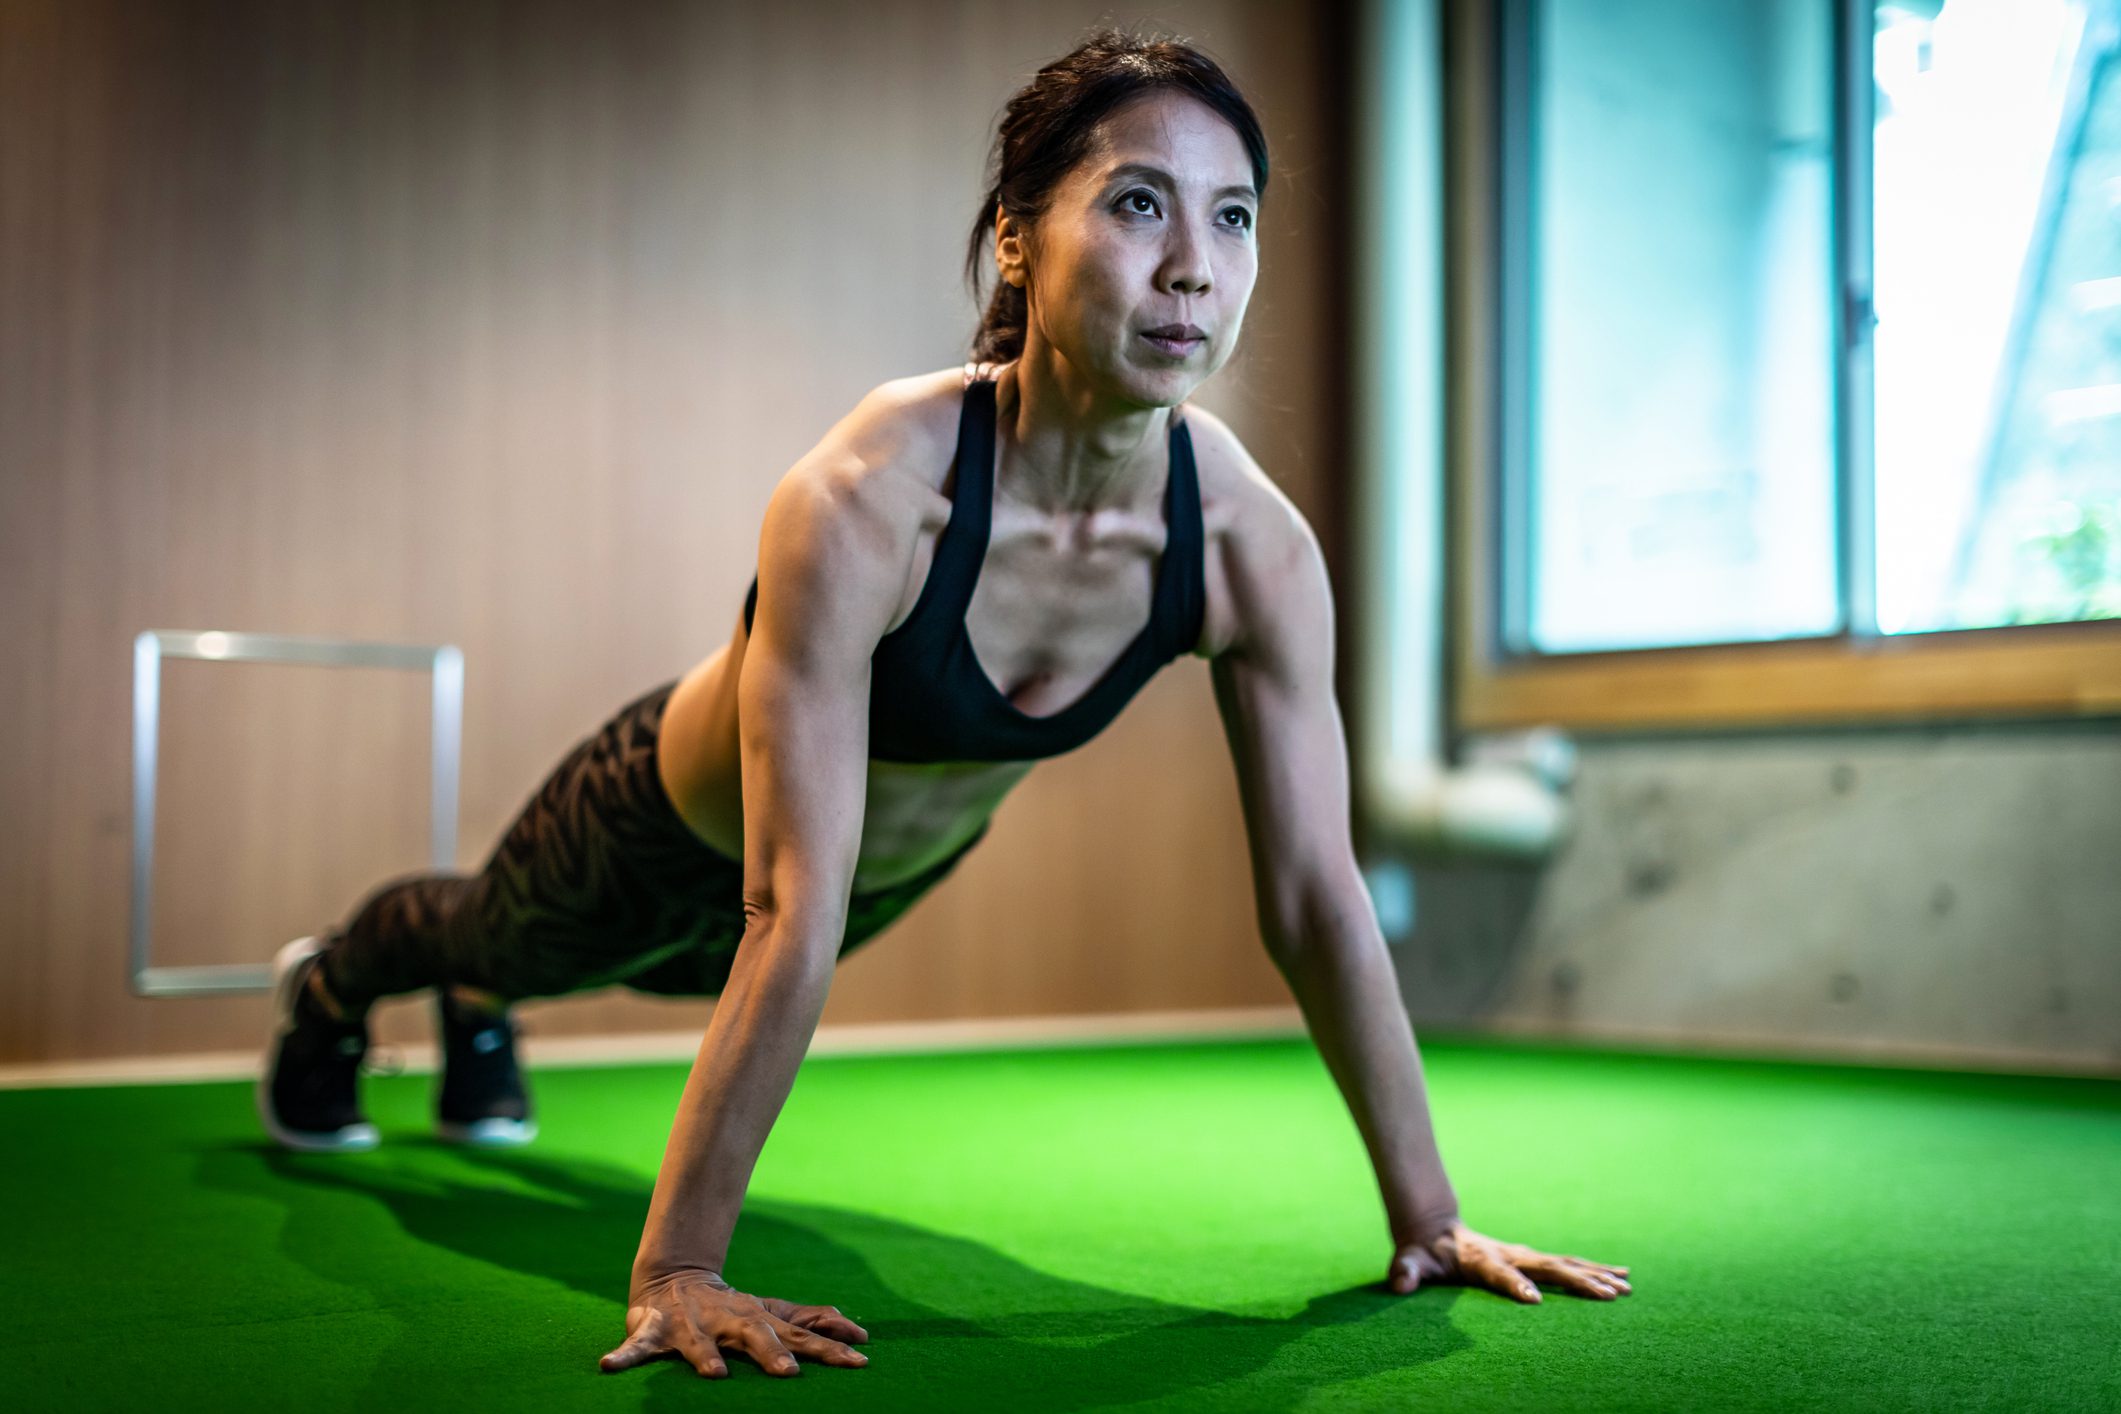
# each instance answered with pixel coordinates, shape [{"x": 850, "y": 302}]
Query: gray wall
[{"x": 1946, "y": 895}]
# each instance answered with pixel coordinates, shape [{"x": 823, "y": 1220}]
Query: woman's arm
[
  {"x": 831, "y": 568},
  {"x": 1274, "y": 686}
]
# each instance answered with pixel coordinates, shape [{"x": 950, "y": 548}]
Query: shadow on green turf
[{"x": 943, "y": 1312}]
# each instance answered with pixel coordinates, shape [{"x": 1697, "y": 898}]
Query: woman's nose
[{"x": 1185, "y": 262}]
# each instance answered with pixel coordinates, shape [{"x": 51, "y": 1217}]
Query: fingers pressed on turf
[
  {"x": 1601, "y": 1274},
  {"x": 832, "y": 1352},
  {"x": 702, "y": 1355},
  {"x": 1501, "y": 1276},
  {"x": 763, "y": 1346},
  {"x": 805, "y": 1341},
  {"x": 827, "y": 1320},
  {"x": 832, "y": 1323},
  {"x": 1600, "y": 1266},
  {"x": 637, "y": 1350}
]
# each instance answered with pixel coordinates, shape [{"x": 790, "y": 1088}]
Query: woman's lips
[{"x": 1176, "y": 348}]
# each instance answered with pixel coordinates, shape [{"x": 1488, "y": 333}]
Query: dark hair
[{"x": 1048, "y": 127}]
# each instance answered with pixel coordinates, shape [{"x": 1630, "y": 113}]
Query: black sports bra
[{"x": 929, "y": 699}]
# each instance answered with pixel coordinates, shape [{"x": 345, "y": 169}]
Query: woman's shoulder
[
  {"x": 1252, "y": 529},
  {"x": 1239, "y": 499},
  {"x": 872, "y": 483},
  {"x": 895, "y": 446},
  {"x": 910, "y": 423}
]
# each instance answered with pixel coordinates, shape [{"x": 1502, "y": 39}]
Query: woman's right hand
[{"x": 693, "y": 1314}]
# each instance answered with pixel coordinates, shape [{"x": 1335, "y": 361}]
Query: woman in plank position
[{"x": 975, "y": 570}]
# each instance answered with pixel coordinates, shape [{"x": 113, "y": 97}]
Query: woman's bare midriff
[{"x": 915, "y": 815}]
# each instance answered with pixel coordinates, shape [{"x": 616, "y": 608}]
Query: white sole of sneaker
[
  {"x": 488, "y": 1133},
  {"x": 352, "y": 1138}
]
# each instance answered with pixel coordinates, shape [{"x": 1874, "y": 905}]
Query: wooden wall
[{"x": 494, "y": 324}]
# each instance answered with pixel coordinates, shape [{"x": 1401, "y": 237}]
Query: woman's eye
[{"x": 1243, "y": 222}]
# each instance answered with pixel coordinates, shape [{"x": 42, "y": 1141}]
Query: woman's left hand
[{"x": 1464, "y": 1257}]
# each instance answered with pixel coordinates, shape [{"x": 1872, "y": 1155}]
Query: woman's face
[{"x": 1154, "y": 227}]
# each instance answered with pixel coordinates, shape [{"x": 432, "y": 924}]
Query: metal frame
[
  {"x": 444, "y": 662},
  {"x": 1855, "y": 319},
  {"x": 1517, "y": 56}
]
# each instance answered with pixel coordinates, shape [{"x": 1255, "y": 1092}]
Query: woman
[{"x": 965, "y": 576}]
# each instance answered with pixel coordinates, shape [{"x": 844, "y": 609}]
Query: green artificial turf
[{"x": 1150, "y": 1227}]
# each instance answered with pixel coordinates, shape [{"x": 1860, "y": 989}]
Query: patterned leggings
[{"x": 598, "y": 881}]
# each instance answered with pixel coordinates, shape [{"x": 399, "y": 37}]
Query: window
[
  {"x": 1676, "y": 320},
  {"x": 1996, "y": 164},
  {"x": 1774, "y": 403}
]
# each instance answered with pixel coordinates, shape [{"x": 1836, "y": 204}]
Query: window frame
[{"x": 1854, "y": 675}]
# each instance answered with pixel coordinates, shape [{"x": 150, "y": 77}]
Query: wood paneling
[{"x": 495, "y": 324}]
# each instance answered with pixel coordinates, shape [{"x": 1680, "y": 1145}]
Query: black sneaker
[
  {"x": 482, "y": 1099},
  {"x": 308, "y": 1094}
]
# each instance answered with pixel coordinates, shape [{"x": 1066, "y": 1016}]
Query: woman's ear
[{"x": 1009, "y": 255}]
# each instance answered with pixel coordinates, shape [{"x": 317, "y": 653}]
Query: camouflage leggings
[{"x": 598, "y": 881}]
